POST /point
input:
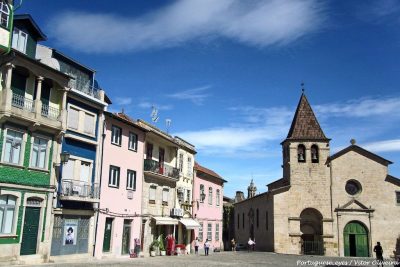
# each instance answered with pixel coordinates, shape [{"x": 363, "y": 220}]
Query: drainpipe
[{"x": 101, "y": 178}]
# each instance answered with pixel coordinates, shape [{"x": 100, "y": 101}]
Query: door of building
[
  {"x": 355, "y": 240},
  {"x": 126, "y": 236},
  {"x": 107, "y": 235},
  {"x": 161, "y": 158},
  {"x": 31, "y": 230}
]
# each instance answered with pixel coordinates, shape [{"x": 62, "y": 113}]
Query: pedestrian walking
[
  {"x": 206, "y": 247},
  {"x": 196, "y": 246},
  {"x": 379, "y": 253},
  {"x": 250, "y": 244},
  {"x": 233, "y": 244}
]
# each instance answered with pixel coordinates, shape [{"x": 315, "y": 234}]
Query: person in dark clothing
[{"x": 379, "y": 253}]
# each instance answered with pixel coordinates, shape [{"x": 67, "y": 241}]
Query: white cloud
[
  {"x": 148, "y": 105},
  {"x": 195, "y": 95},
  {"x": 258, "y": 23},
  {"x": 122, "y": 101},
  {"x": 383, "y": 146}
]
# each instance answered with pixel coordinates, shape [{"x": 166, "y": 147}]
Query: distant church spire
[
  {"x": 251, "y": 190},
  {"x": 305, "y": 125}
]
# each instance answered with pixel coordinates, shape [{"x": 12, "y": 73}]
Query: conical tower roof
[{"x": 305, "y": 125}]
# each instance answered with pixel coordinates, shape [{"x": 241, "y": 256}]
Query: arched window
[
  {"x": 210, "y": 195},
  {"x": 7, "y": 213},
  {"x": 301, "y": 153},
  {"x": 217, "y": 197},
  {"x": 202, "y": 193},
  {"x": 314, "y": 154},
  {"x": 4, "y": 14},
  {"x": 257, "y": 217}
]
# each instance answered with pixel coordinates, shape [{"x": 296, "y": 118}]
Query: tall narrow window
[
  {"x": 4, "y": 14},
  {"x": 190, "y": 167},
  {"x": 202, "y": 193},
  {"x": 238, "y": 221},
  {"x": 39, "y": 150},
  {"x": 243, "y": 220},
  {"x": 149, "y": 151},
  {"x": 19, "y": 40},
  {"x": 257, "y": 218},
  {"x": 217, "y": 197},
  {"x": 201, "y": 231},
  {"x": 398, "y": 197},
  {"x": 113, "y": 180},
  {"x": 116, "y": 134},
  {"x": 210, "y": 195},
  {"x": 12, "y": 150},
  {"x": 188, "y": 195},
  {"x": 165, "y": 196},
  {"x": 217, "y": 232},
  {"x": 68, "y": 170},
  {"x": 131, "y": 180},
  {"x": 266, "y": 220},
  {"x": 85, "y": 172},
  {"x": 73, "y": 118},
  {"x": 133, "y": 141},
  {"x": 209, "y": 232},
  {"x": 152, "y": 194},
  {"x": 7, "y": 213},
  {"x": 301, "y": 153},
  {"x": 314, "y": 154},
  {"x": 89, "y": 123},
  {"x": 180, "y": 162}
]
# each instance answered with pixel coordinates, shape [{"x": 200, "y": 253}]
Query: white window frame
[
  {"x": 209, "y": 231},
  {"x": 76, "y": 176},
  {"x": 133, "y": 145},
  {"x": 201, "y": 232},
  {"x": 217, "y": 196},
  {"x": 216, "y": 231},
  {"x": 131, "y": 180},
  {"x": 23, "y": 142},
  {"x": 6, "y": 12},
  {"x": 180, "y": 164},
  {"x": 114, "y": 181},
  {"x": 16, "y": 211},
  {"x": 151, "y": 188},
  {"x": 210, "y": 195},
  {"x": 165, "y": 195},
  {"x": 189, "y": 166},
  {"x": 15, "y": 42},
  {"x": 119, "y": 137},
  {"x": 81, "y": 120},
  {"x": 47, "y": 156},
  {"x": 202, "y": 191}
]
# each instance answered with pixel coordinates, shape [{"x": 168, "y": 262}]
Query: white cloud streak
[
  {"x": 122, "y": 101},
  {"x": 259, "y": 23},
  {"x": 195, "y": 95},
  {"x": 383, "y": 146}
]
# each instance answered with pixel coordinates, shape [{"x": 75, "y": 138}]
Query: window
[
  {"x": 201, "y": 231},
  {"x": 217, "y": 232},
  {"x": 217, "y": 197},
  {"x": 266, "y": 220},
  {"x": 190, "y": 167},
  {"x": 19, "y": 40},
  {"x": 209, "y": 231},
  {"x": 314, "y": 154},
  {"x": 243, "y": 220},
  {"x": 301, "y": 153},
  {"x": 238, "y": 220},
  {"x": 152, "y": 194},
  {"x": 12, "y": 149},
  {"x": 210, "y": 197},
  {"x": 4, "y": 14},
  {"x": 81, "y": 120},
  {"x": 398, "y": 197},
  {"x": 39, "y": 151},
  {"x": 353, "y": 187},
  {"x": 133, "y": 141},
  {"x": 202, "y": 193},
  {"x": 165, "y": 194},
  {"x": 180, "y": 163},
  {"x": 131, "y": 180},
  {"x": 149, "y": 151},
  {"x": 188, "y": 195},
  {"x": 7, "y": 213},
  {"x": 257, "y": 218},
  {"x": 113, "y": 180},
  {"x": 85, "y": 172},
  {"x": 116, "y": 134}
]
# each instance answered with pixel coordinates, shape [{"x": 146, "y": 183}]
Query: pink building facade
[
  {"x": 207, "y": 207},
  {"x": 119, "y": 223}
]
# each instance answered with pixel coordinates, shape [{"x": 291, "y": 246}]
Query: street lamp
[{"x": 64, "y": 157}]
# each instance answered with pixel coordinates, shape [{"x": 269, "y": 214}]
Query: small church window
[
  {"x": 301, "y": 153},
  {"x": 398, "y": 197},
  {"x": 314, "y": 154},
  {"x": 353, "y": 187}
]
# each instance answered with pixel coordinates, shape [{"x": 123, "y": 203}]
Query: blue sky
[{"x": 228, "y": 72}]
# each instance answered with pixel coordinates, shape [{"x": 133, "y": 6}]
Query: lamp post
[{"x": 64, "y": 157}]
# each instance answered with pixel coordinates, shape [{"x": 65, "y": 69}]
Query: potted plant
[
  {"x": 161, "y": 245},
  {"x": 153, "y": 247}
]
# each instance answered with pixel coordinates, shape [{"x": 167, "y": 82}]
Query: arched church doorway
[
  {"x": 355, "y": 240},
  {"x": 311, "y": 229}
]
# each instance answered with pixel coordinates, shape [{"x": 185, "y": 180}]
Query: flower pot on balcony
[
  {"x": 162, "y": 252},
  {"x": 152, "y": 253}
]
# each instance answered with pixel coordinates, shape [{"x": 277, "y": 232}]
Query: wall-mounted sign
[{"x": 70, "y": 231}]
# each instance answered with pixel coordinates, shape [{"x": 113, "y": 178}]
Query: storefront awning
[
  {"x": 165, "y": 220},
  {"x": 189, "y": 223}
]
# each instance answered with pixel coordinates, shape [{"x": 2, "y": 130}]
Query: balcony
[
  {"x": 50, "y": 112},
  {"x": 154, "y": 167},
  {"x": 86, "y": 88},
  {"x": 21, "y": 102},
  {"x": 76, "y": 190}
]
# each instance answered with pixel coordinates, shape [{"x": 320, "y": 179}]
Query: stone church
[{"x": 335, "y": 205}]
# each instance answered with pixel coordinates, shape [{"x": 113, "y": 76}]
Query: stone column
[
  {"x": 38, "y": 102},
  {"x": 63, "y": 111},
  {"x": 7, "y": 92}
]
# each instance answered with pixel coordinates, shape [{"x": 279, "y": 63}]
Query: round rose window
[{"x": 353, "y": 187}]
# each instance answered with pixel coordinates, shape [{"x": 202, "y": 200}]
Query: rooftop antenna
[
  {"x": 154, "y": 114},
  {"x": 168, "y": 124}
]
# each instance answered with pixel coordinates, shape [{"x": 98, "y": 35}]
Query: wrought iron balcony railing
[
  {"x": 20, "y": 101},
  {"x": 76, "y": 188},
  {"x": 50, "y": 112},
  {"x": 155, "y": 167},
  {"x": 85, "y": 87}
]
